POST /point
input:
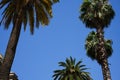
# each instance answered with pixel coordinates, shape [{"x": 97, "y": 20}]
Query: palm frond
[
  {"x": 63, "y": 64},
  {"x": 3, "y": 3},
  {"x": 72, "y": 61},
  {"x": 71, "y": 71},
  {"x": 41, "y": 9},
  {"x": 94, "y": 13},
  {"x": 47, "y": 6},
  {"x": 31, "y": 17},
  {"x": 25, "y": 18},
  {"x": 8, "y": 15},
  {"x": 68, "y": 62},
  {"x": 91, "y": 45},
  {"x": 78, "y": 63}
]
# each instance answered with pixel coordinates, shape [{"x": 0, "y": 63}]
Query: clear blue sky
[{"x": 37, "y": 56}]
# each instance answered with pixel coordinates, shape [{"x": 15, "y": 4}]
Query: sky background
[{"x": 37, "y": 55}]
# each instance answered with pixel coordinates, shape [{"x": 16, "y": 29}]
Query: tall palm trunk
[
  {"x": 102, "y": 57},
  {"x": 11, "y": 49}
]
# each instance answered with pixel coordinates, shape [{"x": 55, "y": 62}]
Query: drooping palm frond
[
  {"x": 96, "y": 12},
  {"x": 71, "y": 71},
  {"x": 36, "y": 11},
  {"x": 108, "y": 47},
  {"x": 92, "y": 44}
]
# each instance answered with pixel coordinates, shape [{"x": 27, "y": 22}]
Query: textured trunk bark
[
  {"x": 10, "y": 50},
  {"x": 105, "y": 70},
  {"x": 102, "y": 58}
]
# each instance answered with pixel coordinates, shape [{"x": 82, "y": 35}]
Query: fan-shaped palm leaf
[
  {"x": 96, "y": 12},
  {"x": 92, "y": 44}
]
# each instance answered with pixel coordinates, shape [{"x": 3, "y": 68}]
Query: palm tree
[
  {"x": 91, "y": 46},
  {"x": 71, "y": 71},
  {"x": 98, "y": 14},
  {"x": 19, "y": 12}
]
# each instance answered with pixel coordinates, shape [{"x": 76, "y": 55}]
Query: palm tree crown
[
  {"x": 96, "y": 12},
  {"x": 38, "y": 11},
  {"x": 91, "y": 45},
  {"x": 71, "y": 71}
]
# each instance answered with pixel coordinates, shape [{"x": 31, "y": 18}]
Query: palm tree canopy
[
  {"x": 96, "y": 12},
  {"x": 39, "y": 11},
  {"x": 92, "y": 44},
  {"x": 71, "y": 71}
]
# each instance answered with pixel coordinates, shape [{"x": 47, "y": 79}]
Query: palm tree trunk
[
  {"x": 10, "y": 50},
  {"x": 105, "y": 70},
  {"x": 102, "y": 58}
]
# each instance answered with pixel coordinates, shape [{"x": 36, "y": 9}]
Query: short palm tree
[
  {"x": 19, "y": 12},
  {"x": 98, "y": 14},
  {"x": 71, "y": 71},
  {"x": 91, "y": 46}
]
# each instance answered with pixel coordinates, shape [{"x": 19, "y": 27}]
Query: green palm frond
[
  {"x": 7, "y": 14},
  {"x": 108, "y": 47},
  {"x": 47, "y": 4},
  {"x": 92, "y": 44},
  {"x": 72, "y": 60},
  {"x": 78, "y": 63},
  {"x": 63, "y": 64},
  {"x": 39, "y": 11},
  {"x": 96, "y": 12},
  {"x": 25, "y": 18},
  {"x": 71, "y": 71}
]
